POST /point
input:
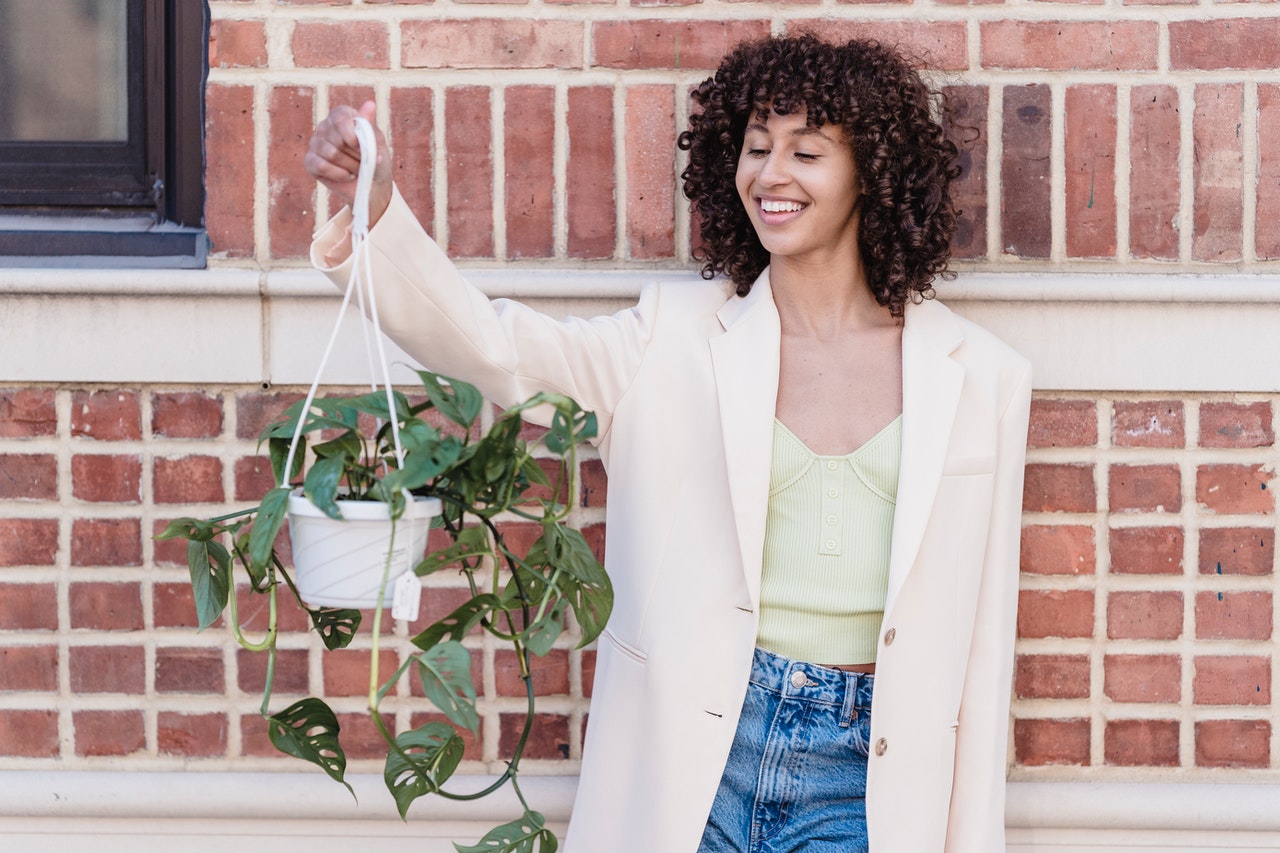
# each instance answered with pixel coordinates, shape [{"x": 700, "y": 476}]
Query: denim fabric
[{"x": 797, "y": 772}]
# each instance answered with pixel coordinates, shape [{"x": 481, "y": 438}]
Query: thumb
[{"x": 368, "y": 111}]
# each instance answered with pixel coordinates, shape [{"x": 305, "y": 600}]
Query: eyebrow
[{"x": 807, "y": 130}]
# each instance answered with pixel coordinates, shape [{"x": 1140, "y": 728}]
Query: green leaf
[
  {"x": 190, "y": 528},
  {"x": 210, "y": 568},
  {"x": 471, "y": 542},
  {"x": 445, "y": 670},
  {"x": 321, "y": 484},
  {"x": 582, "y": 580},
  {"x": 526, "y": 834},
  {"x": 425, "y": 760},
  {"x": 425, "y": 463},
  {"x": 458, "y": 401},
  {"x": 347, "y": 445},
  {"x": 337, "y": 626},
  {"x": 266, "y": 526},
  {"x": 278, "y": 450},
  {"x": 456, "y": 625},
  {"x": 542, "y": 635},
  {"x": 308, "y": 729}
]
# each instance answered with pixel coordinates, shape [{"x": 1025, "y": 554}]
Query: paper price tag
[{"x": 406, "y": 597}]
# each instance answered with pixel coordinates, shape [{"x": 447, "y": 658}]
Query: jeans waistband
[{"x": 812, "y": 683}]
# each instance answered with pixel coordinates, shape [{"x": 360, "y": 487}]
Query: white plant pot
[{"x": 340, "y": 562}]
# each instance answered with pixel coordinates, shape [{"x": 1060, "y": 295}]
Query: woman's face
[{"x": 800, "y": 187}]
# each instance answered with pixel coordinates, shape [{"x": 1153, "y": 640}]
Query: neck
[{"x": 824, "y": 301}]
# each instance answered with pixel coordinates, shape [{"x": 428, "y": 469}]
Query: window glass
[{"x": 63, "y": 71}]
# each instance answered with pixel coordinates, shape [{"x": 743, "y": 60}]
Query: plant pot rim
[{"x": 419, "y": 507}]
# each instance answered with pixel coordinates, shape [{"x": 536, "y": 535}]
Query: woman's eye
[
  {"x": 757, "y": 152},
  {"x": 808, "y": 158}
]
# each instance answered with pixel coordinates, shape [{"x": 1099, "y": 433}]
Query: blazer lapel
[
  {"x": 931, "y": 383},
  {"x": 746, "y": 362}
]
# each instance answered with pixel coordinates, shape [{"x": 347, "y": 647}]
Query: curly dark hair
[{"x": 904, "y": 160}]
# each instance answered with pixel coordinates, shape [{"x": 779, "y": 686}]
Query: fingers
[{"x": 333, "y": 153}]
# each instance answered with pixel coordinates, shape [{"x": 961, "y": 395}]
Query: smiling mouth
[{"x": 775, "y": 206}]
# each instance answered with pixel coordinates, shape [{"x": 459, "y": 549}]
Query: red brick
[
  {"x": 106, "y": 479},
  {"x": 1025, "y": 209},
  {"x": 29, "y": 669},
  {"x": 1052, "y": 677},
  {"x": 186, "y": 414},
  {"x": 229, "y": 170},
  {"x": 530, "y": 171},
  {"x": 595, "y": 482},
  {"x": 1091, "y": 171},
  {"x": 1146, "y": 550},
  {"x": 1142, "y": 615},
  {"x": 189, "y": 671},
  {"x": 341, "y": 44},
  {"x": 437, "y": 603},
  {"x": 590, "y": 182},
  {"x": 680, "y": 45},
  {"x": 1232, "y": 680},
  {"x": 28, "y": 476},
  {"x": 1219, "y": 172},
  {"x": 254, "y": 740},
  {"x": 253, "y": 478},
  {"x": 650, "y": 135},
  {"x": 27, "y": 413},
  {"x": 1037, "y": 743},
  {"x": 1059, "y": 488},
  {"x": 550, "y": 673},
  {"x": 1267, "y": 213},
  {"x": 187, "y": 479},
  {"x": 29, "y": 733},
  {"x": 173, "y": 605},
  {"x": 942, "y": 45},
  {"x": 412, "y": 125},
  {"x": 237, "y": 44},
  {"x": 1145, "y": 488},
  {"x": 106, "y": 606},
  {"x": 595, "y": 536},
  {"x": 1063, "y": 423},
  {"x": 1070, "y": 45},
  {"x": 107, "y": 669},
  {"x": 1053, "y": 549},
  {"x": 1148, "y": 423},
  {"x": 1234, "y": 488},
  {"x": 291, "y": 191},
  {"x": 255, "y": 411},
  {"x": 346, "y": 671},
  {"x": 254, "y": 611},
  {"x": 472, "y": 746},
  {"x": 28, "y": 541},
  {"x": 106, "y": 542},
  {"x": 1237, "y": 551},
  {"x": 966, "y": 119},
  {"x": 1141, "y": 743},
  {"x": 1233, "y": 615},
  {"x": 469, "y": 163},
  {"x": 191, "y": 735},
  {"x": 1142, "y": 678},
  {"x": 106, "y": 415},
  {"x": 491, "y": 43},
  {"x": 28, "y": 607},
  {"x": 549, "y": 738},
  {"x": 1154, "y": 178},
  {"x": 109, "y": 732},
  {"x": 1236, "y": 425},
  {"x": 1233, "y": 743},
  {"x": 1055, "y": 613},
  {"x": 360, "y": 737},
  {"x": 1224, "y": 43},
  {"x": 588, "y": 672},
  {"x": 291, "y": 675}
]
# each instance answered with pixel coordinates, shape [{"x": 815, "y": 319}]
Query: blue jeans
[{"x": 797, "y": 772}]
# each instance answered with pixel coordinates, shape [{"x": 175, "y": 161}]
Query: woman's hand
[{"x": 333, "y": 158}]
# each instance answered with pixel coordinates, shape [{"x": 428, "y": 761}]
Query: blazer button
[
  {"x": 889, "y": 636},
  {"x": 882, "y": 746}
]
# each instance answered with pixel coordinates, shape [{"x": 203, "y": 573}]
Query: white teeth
[{"x": 770, "y": 206}]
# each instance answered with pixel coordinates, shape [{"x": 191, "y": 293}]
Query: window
[{"x": 101, "y": 132}]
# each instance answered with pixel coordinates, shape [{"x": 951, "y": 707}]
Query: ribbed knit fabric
[{"x": 826, "y": 548}]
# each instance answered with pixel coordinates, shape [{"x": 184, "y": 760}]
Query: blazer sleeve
[
  {"x": 504, "y": 348},
  {"x": 976, "y": 820}
]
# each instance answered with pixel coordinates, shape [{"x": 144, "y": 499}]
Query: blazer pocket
[
  {"x": 963, "y": 466},
  {"x": 625, "y": 649}
]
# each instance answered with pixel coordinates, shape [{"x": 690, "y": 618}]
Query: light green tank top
[{"x": 826, "y": 548}]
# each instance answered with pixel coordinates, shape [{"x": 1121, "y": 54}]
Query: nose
[{"x": 772, "y": 171}]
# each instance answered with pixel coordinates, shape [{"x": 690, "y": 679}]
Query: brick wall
[{"x": 1100, "y": 137}]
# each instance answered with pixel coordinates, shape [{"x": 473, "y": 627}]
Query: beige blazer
[{"x": 684, "y": 385}]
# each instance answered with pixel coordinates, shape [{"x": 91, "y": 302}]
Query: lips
[{"x": 769, "y": 205}]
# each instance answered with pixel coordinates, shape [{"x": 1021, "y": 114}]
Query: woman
[{"x": 815, "y": 475}]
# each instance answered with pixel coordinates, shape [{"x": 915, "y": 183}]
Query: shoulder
[
  {"x": 979, "y": 347},
  {"x": 687, "y": 299}
]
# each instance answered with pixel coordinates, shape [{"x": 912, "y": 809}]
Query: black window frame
[{"x": 133, "y": 203}]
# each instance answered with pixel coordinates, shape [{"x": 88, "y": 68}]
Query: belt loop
[{"x": 850, "y": 707}]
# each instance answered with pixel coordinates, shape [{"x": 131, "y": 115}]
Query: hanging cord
[{"x": 361, "y": 284}]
